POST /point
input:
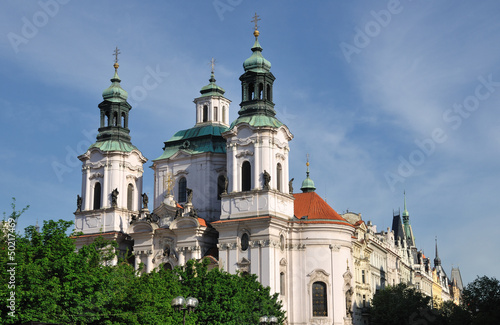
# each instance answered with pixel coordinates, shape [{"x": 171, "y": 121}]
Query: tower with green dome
[
  {"x": 257, "y": 147},
  {"x": 195, "y": 158},
  {"x": 112, "y": 170}
]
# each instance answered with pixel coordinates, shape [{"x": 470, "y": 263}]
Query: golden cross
[
  {"x": 255, "y": 20},
  {"x": 212, "y": 64},
  {"x": 168, "y": 183},
  {"x": 115, "y": 53}
]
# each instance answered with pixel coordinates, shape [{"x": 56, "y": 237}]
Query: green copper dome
[
  {"x": 115, "y": 93},
  {"x": 212, "y": 89},
  {"x": 307, "y": 184},
  {"x": 257, "y": 62}
]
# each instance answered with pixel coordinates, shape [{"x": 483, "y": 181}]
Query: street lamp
[
  {"x": 264, "y": 320},
  {"x": 189, "y": 304}
]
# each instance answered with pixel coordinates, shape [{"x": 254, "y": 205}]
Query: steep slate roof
[{"x": 311, "y": 208}]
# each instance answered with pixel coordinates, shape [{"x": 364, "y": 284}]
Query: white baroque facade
[{"x": 222, "y": 190}]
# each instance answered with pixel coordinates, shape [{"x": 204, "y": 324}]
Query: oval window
[{"x": 244, "y": 242}]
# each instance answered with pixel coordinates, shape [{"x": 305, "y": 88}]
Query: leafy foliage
[
  {"x": 400, "y": 305},
  {"x": 57, "y": 284},
  {"x": 482, "y": 299}
]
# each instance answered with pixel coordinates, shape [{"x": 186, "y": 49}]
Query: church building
[{"x": 222, "y": 190}]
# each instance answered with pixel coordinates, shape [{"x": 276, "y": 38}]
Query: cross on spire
[
  {"x": 255, "y": 20},
  {"x": 115, "y": 53},
  {"x": 212, "y": 64}
]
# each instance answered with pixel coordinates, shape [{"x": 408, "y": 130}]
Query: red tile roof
[
  {"x": 202, "y": 222},
  {"x": 312, "y": 207}
]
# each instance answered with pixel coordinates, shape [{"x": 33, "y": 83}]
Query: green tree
[
  {"x": 226, "y": 298},
  {"x": 400, "y": 305},
  {"x": 482, "y": 299},
  {"x": 55, "y": 283}
]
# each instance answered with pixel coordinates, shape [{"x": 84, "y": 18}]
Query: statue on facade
[
  {"x": 145, "y": 200},
  {"x": 78, "y": 203},
  {"x": 178, "y": 213},
  {"x": 290, "y": 186},
  {"x": 348, "y": 302},
  {"x": 226, "y": 184},
  {"x": 267, "y": 179},
  {"x": 114, "y": 198},
  {"x": 189, "y": 195}
]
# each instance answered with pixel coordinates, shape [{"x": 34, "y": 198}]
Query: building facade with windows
[{"x": 222, "y": 190}]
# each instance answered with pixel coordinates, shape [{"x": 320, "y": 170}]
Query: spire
[
  {"x": 212, "y": 89},
  {"x": 405, "y": 212},
  {"x": 410, "y": 240},
  {"x": 308, "y": 184},
  {"x": 437, "y": 260}
]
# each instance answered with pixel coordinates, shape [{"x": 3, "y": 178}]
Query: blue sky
[{"x": 385, "y": 97}]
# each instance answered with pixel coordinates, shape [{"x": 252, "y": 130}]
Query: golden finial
[
  {"x": 255, "y": 20},
  {"x": 307, "y": 163},
  {"x": 115, "y": 53}
]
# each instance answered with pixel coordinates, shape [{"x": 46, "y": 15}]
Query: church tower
[
  {"x": 257, "y": 148},
  {"x": 112, "y": 170},
  {"x": 194, "y": 160},
  {"x": 257, "y": 204}
]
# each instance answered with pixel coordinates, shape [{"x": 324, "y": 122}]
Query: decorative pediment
[
  {"x": 96, "y": 175},
  {"x": 184, "y": 222},
  {"x": 319, "y": 275},
  {"x": 244, "y": 265},
  {"x": 181, "y": 172},
  {"x": 244, "y": 153}
]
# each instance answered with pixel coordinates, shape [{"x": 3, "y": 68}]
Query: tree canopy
[
  {"x": 482, "y": 299},
  {"x": 400, "y": 305},
  {"x": 55, "y": 283}
]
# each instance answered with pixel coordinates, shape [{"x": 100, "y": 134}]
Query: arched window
[
  {"x": 282, "y": 283},
  {"x": 107, "y": 120},
  {"x": 278, "y": 177},
  {"x": 182, "y": 189},
  {"x": 250, "y": 91},
  {"x": 205, "y": 113},
  {"x": 221, "y": 186},
  {"x": 115, "y": 119},
  {"x": 216, "y": 114},
  {"x": 246, "y": 176},
  {"x": 223, "y": 114},
  {"x": 124, "y": 121},
  {"x": 130, "y": 196},
  {"x": 167, "y": 266},
  {"x": 320, "y": 308},
  {"x": 268, "y": 92},
  {"x": 97, "y": 196},
  {"x": 261, "y": 89}
]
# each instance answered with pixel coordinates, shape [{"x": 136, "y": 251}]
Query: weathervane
[
  {"x": 212, "y": 64},
  {"x": 255, "y": 20}
]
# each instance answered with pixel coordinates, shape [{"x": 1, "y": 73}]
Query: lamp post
[
  {"x": 264, "y": 320},
  {"x": 189, "y": 305}
]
